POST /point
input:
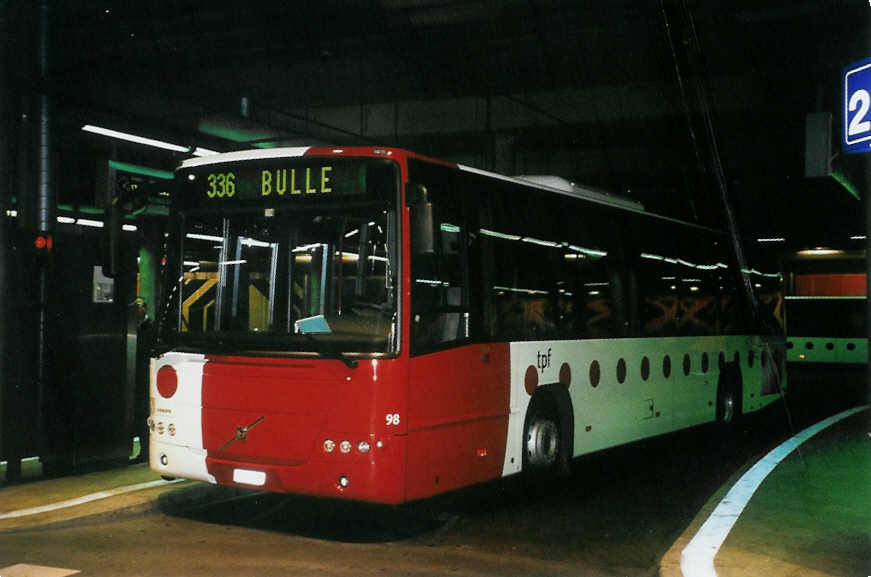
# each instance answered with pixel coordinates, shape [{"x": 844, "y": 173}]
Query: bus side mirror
[
  {"x": 422, "y": 219},
  {"x": 112, "y": 238}
]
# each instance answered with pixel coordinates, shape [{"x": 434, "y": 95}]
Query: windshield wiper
[{"x": 329, "y": 352}]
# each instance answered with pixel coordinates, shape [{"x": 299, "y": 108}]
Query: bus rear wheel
[
  {"x": 729, "y": 397},
  {"x": 727, "y": 408}
]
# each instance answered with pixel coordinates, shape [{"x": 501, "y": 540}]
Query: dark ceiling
[{"x": 612, "y": 94}]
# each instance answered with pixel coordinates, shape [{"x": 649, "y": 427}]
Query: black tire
[
  {"x": 544, "y": 454},
  {"x": 729, "y": 396}
]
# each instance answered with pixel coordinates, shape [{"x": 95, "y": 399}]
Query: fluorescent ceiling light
[
  {"x": 306, "y": 247},
  {"x": 133, "y": 138},
  {"x": 502, "y": 235},
  {"x": 771, "y": 239},
  {"x": 430, "y": 282},
  {"x": 820, "y": 251},
  {"x": 520, "y": 290},
  {"x": 765, "y": 274},
  {"x": 89, "y": 222},
  {"x": 254, "y": 242},
  {"x": 208, "y": 237},
  {"x": 540, "y": 242},
  {"x": 588, "y": 251},
  {"x": 197, "y": 151}
]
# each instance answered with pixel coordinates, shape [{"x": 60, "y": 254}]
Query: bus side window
[
  {"x": 767, "y": 283},
  {"x": 684, "y": 283},
  {"x": 590, "y": 286},
  {"x": 653, "y": 257},
  {"x": 521, "y": 280},
  {"x": 438, "y": 300}
]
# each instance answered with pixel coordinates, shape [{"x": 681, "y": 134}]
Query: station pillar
[
  {"x": 866, "y": 199},
  {"x": 12, "y": 470}
]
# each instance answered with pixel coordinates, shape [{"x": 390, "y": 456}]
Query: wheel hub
[
  {"x": 542, "y": 443},
  {"x": 728, "y": 409}
]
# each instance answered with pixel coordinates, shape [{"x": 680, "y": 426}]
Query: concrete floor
[{"x": 619, "y": 513}]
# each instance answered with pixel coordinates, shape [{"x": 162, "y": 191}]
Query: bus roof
[
  {"x": 549, "y": 183},
  {"x": 561, "y": 185},
  {"x": 240, "y": 155}
]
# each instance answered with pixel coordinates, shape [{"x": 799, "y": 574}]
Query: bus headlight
[
  {"x": 345, "y": 446},
  {"x": 329, "y": 446},
  {"x": 363, "y": 446}
]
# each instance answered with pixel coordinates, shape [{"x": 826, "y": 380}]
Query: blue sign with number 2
[{"x": 857, "y": 107}]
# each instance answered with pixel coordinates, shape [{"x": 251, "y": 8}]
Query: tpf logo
[{"x": 542, "y": 360}]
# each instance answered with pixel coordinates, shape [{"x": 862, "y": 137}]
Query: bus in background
[
  {"x": 825, "y": 307},
  {"x": 371, "y": 324}
]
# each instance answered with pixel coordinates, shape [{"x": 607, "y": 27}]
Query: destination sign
[{"x": 243, "y": 182}]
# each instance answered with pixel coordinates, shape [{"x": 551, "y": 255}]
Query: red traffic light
[{"x": 43, "y": 242}]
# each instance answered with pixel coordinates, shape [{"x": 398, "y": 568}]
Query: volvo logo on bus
[{"x": 241, "y": 433}]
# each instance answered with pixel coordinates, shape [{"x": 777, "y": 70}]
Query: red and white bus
[
  {"x": 825, "y": 307},
  {"x": 371, "y": 324}
]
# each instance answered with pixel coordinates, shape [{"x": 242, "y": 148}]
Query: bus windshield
[{"x": 317, "y": 276}]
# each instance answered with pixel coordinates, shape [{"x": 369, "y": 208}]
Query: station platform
[
  {"x": 810, "y": 517},
  {"x": 42, "y": 502}
]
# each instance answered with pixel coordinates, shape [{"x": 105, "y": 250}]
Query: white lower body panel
[
  {"x": 182, "y": 462},
  {"x": 176, "y": 445},
  {"x": 623, "y": 390}
]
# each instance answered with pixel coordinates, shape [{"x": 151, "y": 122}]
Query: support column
[
  {"x": 867, "y": 202},
  {"x": 46, "y": 201},
  {"x": 866, "y": 199},
  {"x": 45, "y": 223},
  {"x": 5, "y": 180},
  {"x": 503, "y": 160}
]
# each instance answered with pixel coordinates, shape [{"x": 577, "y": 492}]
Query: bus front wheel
[
  {"x": 542, "y": 442},
  {"x": 543, "y": 445}
]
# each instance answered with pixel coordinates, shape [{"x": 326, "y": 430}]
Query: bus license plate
[{"x": 246, "y": 477}]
